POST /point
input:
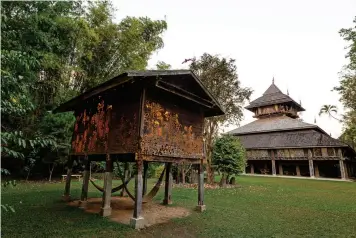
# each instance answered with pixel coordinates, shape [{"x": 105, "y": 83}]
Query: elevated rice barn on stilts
[{"x": 141, "y": 117}]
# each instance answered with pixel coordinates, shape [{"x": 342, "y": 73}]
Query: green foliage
[
  {"x": 158, "y": 171},
  {"x": 51, "y": 52},
  {"x": 347, "y": 87},
  {"x": 220, "y": 77},
  {"x": 229, "y": 156},
  {"x": 161, "y": 65}
]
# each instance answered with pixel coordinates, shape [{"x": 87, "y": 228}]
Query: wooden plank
[
  {"x": 138, "y": 190},
  {"x": 145, "y": 168},
  {"x": 201, "y": 185},
  {"x": 66, "y": 195},
  {"x": 168, "y": 185},
  {"x": 85, "y": 185},
  {"x": 106, "y": 201}
]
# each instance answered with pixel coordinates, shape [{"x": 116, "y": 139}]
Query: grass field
[{"x": 261, "y": 207}]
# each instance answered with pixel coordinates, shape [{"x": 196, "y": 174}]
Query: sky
[{"x": 296, "y": 42}]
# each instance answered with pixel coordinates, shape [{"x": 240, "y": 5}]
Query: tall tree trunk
[
  {"x": 210, "y": 131},
  {"x": 223, "y": 180}
]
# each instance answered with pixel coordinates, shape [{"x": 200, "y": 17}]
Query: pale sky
[{"x": 296, "y": 42}]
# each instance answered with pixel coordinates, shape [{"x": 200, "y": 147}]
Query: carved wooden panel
[
  {"x": 296, "y": 152},
  {"x": 171, "y": 130},
  {"x": 91, "y": 129}
]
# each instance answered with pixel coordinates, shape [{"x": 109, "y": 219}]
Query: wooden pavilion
[
  {"x": 141, "y": 117},
  {"x": 278, "y": 142}
]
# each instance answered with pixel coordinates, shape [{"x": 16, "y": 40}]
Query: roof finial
[
  {"x": 314, "y": 120},
  {"x": 287, "y": 92},
  {"x": 300, "y": 102},
  {"x": 273, "y": 80}
]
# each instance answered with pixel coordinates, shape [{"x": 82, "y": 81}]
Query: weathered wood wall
[
  {"x": 171, "y": 128},
  {"x": 107, "y": 124}
]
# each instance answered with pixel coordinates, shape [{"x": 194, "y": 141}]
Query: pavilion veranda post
[{"x": 140, "y": 117}]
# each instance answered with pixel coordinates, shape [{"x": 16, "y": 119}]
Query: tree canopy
[
  {"x": 347, "y": 87},
  {"x": 229, "y": 156},
  {"x": 219, "y": 75},
  {"x": 53, "y": 51}
]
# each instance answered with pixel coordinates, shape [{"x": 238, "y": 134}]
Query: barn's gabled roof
[
  {"x": 173, "y": 81},
  {"x": 270, "y": 124},
  {"x": 293, "y": 139},
  {"x": 273, "y": 95}
]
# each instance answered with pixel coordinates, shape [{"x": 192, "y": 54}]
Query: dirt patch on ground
[
  {"x": 206, "y": 186},
  {"x": 122, "y": 210}
]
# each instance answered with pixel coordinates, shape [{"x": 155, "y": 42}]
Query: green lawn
[{"x": 261, "y": 207}]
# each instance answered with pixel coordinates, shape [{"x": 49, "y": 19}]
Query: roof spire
[
  {"x": 314, "y": 120},
  {"x": 273, "y": 80},
  {"x": 287, "y": 92}
]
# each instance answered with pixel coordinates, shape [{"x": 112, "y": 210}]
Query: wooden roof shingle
[
  {"x": 293, "y": 139},
  {"x": 273, "y": 95},
  {"x": 278, "y": 123}
]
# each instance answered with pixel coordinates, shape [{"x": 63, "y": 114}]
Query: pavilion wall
[
  {"x": 108, "y": 124},
  {"x": 171, "y": 128}
]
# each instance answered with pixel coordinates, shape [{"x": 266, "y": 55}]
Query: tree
[
  {"x": 229, "y": 157},
  {"x": 51, "y": 52},
  {"x": 220, "y": 77},
  {"x": 347, "y": 87},
  {"x": 161, "y": 65},
  {"x": 328, "y": 110}
]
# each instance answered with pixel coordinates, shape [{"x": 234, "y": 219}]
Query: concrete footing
[
  {"x": 200, "y": 208},
  {"x": 105, "y": 211},
  {"x": 137, "y": 223}
]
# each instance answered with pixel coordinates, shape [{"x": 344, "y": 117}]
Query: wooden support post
[
  {"x": 85, "y": 185},
  {"x": 126, "y": 177},
  {"x": 106, "y": 203},
  {"x": 297, "y": 170},
  {"x": 168, "y": 185},
  {"x": 316, "y": 169},
  {"x": 280, "y": 169},
  {"x": 145, "y": 168},
  {"x": 252, "y": 169},
  {"x": 342, "y": 169},
  {"x": 201, "y": 206},
  {"x": 183, "y": 173},
  {"x": 137, "y": 221},
  {"x": 273, "y": 167},
  {"x": 346, "y": 170},
  {"x": 66, "y": 195},
  {"x": 311, "y": 168}
]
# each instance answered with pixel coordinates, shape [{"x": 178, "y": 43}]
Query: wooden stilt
[
  {"x": 145, "y": 168},
  {"x": 66, "y": 195},
  {"x": 201, "y": 206},
  {"x": 316, "y": 169},
  {"x": 85, "y": 185},
  {"x": 137, "y": 221},
  {"x": 342, "y": 169},
  {"x": 311, "y": 168},
  {"x": 252, "y": 169},
  {"x": 183, "y": 174},
  {"x": 280, "y": 168},
  {"x": 106, "y": 203},
  {"x": 168, "y": 185},
  {"x": 297, "y": 170},
  {"x": 346, "y": 170},
  {"x": 273, "y": 167}
]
